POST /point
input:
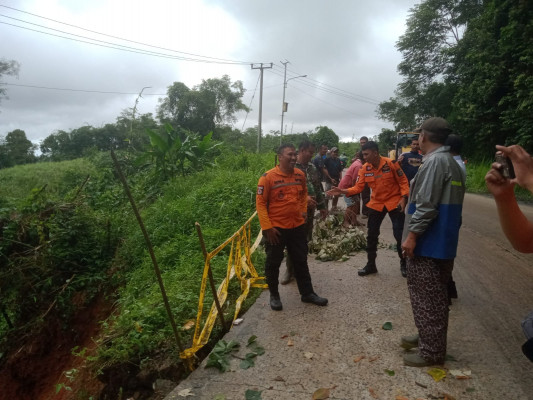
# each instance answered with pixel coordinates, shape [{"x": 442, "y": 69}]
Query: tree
[
  {"x": 324, "y": 135},
  {"x": 16, "y": 149},
  {"x": 7, "y": 67},
  {"x": 434, "y": 29},
  {"x": 207, "y": 106},
  {"x": 386, "y": 141},
  {"x": 494, "y": 103}
]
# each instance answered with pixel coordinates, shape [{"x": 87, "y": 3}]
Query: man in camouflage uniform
[{"x": 315, "y": 200}]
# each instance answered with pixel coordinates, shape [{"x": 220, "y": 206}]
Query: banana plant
[{"x": 179, "y": 152}]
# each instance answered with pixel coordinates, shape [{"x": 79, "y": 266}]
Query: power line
[
  {"x": 117, "y": 37},
  {"x": 248, "y": 112},
  {"x": 122, "y": 48},
  {"x": 80, "y": 90},
  {"x": 323, "y": 101},
  {"x": 326, "y": 90},
  {"x": 331, "y": 89}
]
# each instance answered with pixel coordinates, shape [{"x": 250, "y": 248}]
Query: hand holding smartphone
[{"x": 506, "y": 168}]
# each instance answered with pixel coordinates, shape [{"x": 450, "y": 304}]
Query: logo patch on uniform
[
  {"x": 369, "y": 174},
  {"x": 281, "y": 195},
  {"x": 368, "y": 168},
  {"x": 400, "y": 172},
  {"x": 260, "y": 189},
  {"x": 386, "y": 168}
]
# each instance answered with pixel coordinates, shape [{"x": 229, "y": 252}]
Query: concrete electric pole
[
  {"x": 261, "y": 67},
  {"x": 284, "y": 106}
]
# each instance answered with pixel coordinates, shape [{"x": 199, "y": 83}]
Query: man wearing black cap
[{"x": 431, "y": 235}]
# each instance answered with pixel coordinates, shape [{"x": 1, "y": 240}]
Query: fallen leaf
[
  {"x": 188, "y": 325},
  {"x": 138, "y": 327},
  {"x": 290, "y": 342},
  {"x": 220, "y": 397},
  {"x": 421, "y": 385},
  {"x": 284, "y": 336},
  {"x": 358, "y": 358},
  {"x": 437, "y": 374},
  {"x": 279, "y": 379},
  {"x": 370, "y": 330},
  {"x": 308, "y": 355},
  {"x": 321, "y": 394},
  {"x": 372, "y": 359},
  {"x": 185, "y": 393},
  {"x": 448, "y": 396},
  {"x": 373, "y": 393},
  {"x": 389, "y": 372},
  {"x": 238, "y": 321},
  {"x": 401, "y": 398},
  {"x": 458, "y": 374},
  {"x": 387, "y": 326},
  {"x": 252, "y": 395}
]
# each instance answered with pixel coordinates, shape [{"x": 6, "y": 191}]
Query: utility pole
[
  {"x": 260, "y": 67},
  {"x": 283, "y": 107}
]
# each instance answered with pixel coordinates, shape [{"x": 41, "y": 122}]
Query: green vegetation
[
  {"x": 475, "y": 180},
  {"x": 469, "y": 62},
  {"x": 69, "y": 237}
]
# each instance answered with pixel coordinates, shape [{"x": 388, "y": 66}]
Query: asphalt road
[
  {"x": 495, "y": 283},
  {"x": 342, "y": 347}
]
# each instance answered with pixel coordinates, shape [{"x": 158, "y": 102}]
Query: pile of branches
[{"x": 332, "y": 241}]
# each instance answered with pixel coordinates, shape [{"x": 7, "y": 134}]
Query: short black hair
[
  {"x": 284, "y": 146},
  {"x": 455, "y": 142},
  {"x": 305, "y": 144},
  {"x": 363, "y": 138},
  {"x": 371, "y": 145}
]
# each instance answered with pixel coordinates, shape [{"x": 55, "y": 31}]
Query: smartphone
[{"x": 507, "y": 169}]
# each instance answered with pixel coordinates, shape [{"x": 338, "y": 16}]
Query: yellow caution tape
[{"x": 240, "y": 266}]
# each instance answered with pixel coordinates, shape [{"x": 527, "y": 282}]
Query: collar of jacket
[{"x": 441, "y": 149}]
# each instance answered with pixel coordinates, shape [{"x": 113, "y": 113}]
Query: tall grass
[
  {"x": 221, "y": 199},
  {"x": 59, "y": 177},
  {"x": 475, "y": 180}
]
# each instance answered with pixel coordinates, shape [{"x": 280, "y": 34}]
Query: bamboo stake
[
  {"x": 150, "y": 250},
  {"x": 211, "y": 280}
]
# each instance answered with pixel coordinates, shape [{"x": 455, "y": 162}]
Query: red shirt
[{"x": 350, "y": 177}]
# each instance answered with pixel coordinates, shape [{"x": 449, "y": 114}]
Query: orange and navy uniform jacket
[
  {"x": 281, "y": 199},
  {"x": 388, "y": 184}
]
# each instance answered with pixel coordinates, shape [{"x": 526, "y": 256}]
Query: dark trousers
[
  {"x": 295, "y": 240},
  {"x": 365, "y": 198},
  {"x": 375, "y": 218}
]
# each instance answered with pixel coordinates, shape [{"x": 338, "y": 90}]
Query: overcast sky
[{"x": 345, "y": 47}]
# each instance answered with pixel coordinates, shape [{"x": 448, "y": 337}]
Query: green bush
[
  {"x": 220, "y": 200},
  {"x": 475, "y": 180}
]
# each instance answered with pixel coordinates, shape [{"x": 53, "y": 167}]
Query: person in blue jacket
[{"x": 431, "y": 235}]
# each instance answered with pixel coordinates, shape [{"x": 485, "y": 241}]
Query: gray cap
[{"x": 436, "y": 125}]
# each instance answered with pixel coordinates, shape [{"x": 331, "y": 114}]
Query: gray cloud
[{"x": 346, "y": 44}]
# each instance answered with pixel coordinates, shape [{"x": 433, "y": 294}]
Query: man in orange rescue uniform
[
  {"x": 390, "y": 190},
  {"x": 281, "y": 204}
]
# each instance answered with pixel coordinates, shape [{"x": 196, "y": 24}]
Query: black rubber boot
[{"x": 370, "y": 268}]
